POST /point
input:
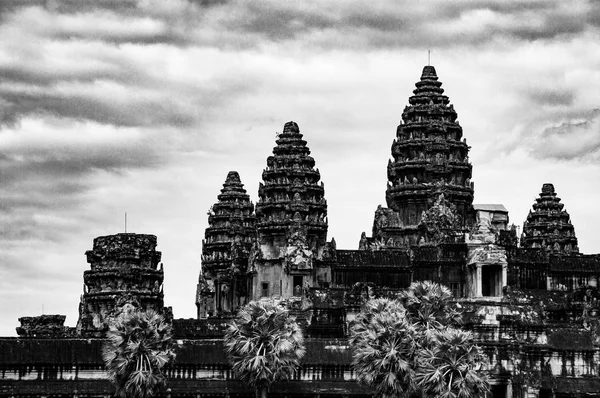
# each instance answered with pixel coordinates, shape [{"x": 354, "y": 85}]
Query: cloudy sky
[{"x": 143, "y": 107}]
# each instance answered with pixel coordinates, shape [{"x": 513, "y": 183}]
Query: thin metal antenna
[
  {"x": 125, "y": 222},
  {"x": 428, "y": 57}
]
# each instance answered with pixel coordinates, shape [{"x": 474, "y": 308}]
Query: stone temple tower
[
  {"x": 549, "y": 225},
  {"x": 430, "y": 157},
  {"x": 290, "y": 195},
  {"x": 222, "y": 285},
  {"x": 290, "y": 220},
  {"x": 124, "y": 268}
]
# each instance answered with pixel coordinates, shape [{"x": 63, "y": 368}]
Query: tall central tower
[{"x": 430, "y": 157}]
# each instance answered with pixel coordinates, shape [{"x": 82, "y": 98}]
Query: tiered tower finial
[
  {"x": 291, "y": 196},
  {"x": 549, "y": 226},
  {"x": 430, "y": 157},
  {"x": 225, "y": 248}
]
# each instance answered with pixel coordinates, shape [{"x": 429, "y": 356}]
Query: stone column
[
  {"x": 509, "y": 393},
  {"x": 478, "y": 288}
]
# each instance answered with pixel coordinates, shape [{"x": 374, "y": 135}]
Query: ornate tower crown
[
  {"x": 225, "y": 248},
  {"x": 230, "y": 219},
  {"x": 429, "y": 155},
  {"x": 549, "y": 226},
  {"x": 291, "y": 196}
]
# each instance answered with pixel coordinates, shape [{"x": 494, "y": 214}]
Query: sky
[{"x": 114, "y": 106}]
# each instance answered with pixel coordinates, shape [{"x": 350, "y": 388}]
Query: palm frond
[
  {"x": 137, "y": 348},
  {"x": 263, "y": 344},
  {"x": 450, "y": 367}
]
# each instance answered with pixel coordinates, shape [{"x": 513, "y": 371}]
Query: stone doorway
[{"x": 491, "y": 281}]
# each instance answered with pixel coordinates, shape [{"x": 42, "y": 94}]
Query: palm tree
[
  {"x": 408, "y": 347},
  {"x": 137, "y": 348},
  {"x": 428, "y": 307},
  {"x": 264, "y": 344},
  {"x": 383, "y": 348},
  {"x": 451, "y": 367}
]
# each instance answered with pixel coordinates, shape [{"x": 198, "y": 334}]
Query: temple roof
[
  {"x": 490, "y": 207},
  {"x": 290, "y": 192},
  {"x": 233, "y": 183},
  {"x": 549, "y": 225},
  {"x": 430, "y": 155},
  {"x": 429, "y": 73},
  {"x": 230, "y": 218}
]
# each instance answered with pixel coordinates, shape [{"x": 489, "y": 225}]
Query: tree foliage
[
  {"x": 384, "y": 345},
  {"x": 137, "y": 349},
  {"x": 409, "y": 347},
  {"x": 449, "y": 368},
  {"x": 428, "y": 306},
  {"x": 264, "y": 344}
]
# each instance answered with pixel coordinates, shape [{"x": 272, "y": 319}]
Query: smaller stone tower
[
  {"x": 291, "y": 221},
  {"x": 124, "y": 267},
  {"x": 222, "y": 285},
  {"x": 291, "y": 195},
  {"x": 549, "y": 226}
]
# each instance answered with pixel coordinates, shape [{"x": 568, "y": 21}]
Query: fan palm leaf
[
  {"x": 384, "y": 346},
  {"x": 137, "y": 348},
  {"x": 408, "y": 347},
  {"x": 264, "y": 344},
  {"x": 451, "y": 366}
]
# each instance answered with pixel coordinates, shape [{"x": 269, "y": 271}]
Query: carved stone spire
[
  {"x": 549, "y": 226},
  {"x": 430, "y": 157},
  {"x": 291, "y": 196},
  {"x": 225, "y": 247}
]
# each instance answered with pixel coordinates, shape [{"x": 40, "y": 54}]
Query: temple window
[
  {"x": 297, "y": 283},
  {"x": 264, "y": 292},
  {"x": 498, "y": 391},
  {"x": 454, "y": 282}
]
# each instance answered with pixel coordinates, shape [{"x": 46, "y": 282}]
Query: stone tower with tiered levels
[
  {"x": 222, "y": 286},
  {"x": 430, "y": 157},
  {"x": 549, "y": 225},
  {"x": 291, "y": 195},
  {"x": 124, "y": 268},
  {"x": 290, "y": 219}
]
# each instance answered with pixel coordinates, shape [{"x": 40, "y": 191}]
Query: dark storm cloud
[
  {"x": 53, "y": 180},
  {"x": 153, "y": 104},
  {"x": 69, "y": 6},
  {"x": 85, "y": 91},
  {"x": 578, "y": 138},
  {"x": 139, "y": 112},
  {"x": 507, "y": 7},
  {"x": 552, "y": 97},
  {"x": 8, "y": 116},
  {"x": 100, "y": 67},
  {"x": 324, "y": 24},
  {"x": 549, "y": 27},
  {"x": 402, "y": 24},
  {"x": 74, "y": 164},
  {"x": 116, "y": 37}
]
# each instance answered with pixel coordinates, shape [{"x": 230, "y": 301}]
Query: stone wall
[{"x": 74, "y": 367}]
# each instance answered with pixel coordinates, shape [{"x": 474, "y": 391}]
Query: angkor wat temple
[{"x": 532, "y": 303}]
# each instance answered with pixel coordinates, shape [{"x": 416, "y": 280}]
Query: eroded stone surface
[{"x": 124, "y": 267}]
